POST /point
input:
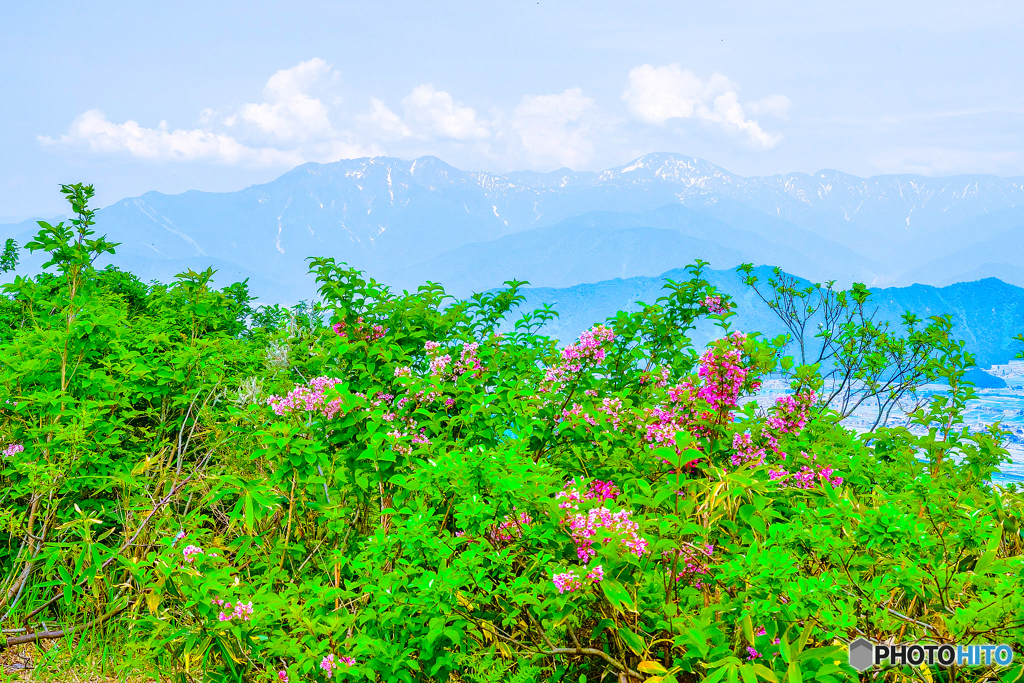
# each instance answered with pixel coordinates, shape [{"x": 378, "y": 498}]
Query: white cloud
[
  {"x": 385, "y": 122},
  {"x": 434, "y": 114},
  {"x": 100, "y": 135},
  {"x": 289, "y": 112},
  {"x": 552, "y": 130},
  {"x": 656, "y": 95},
  {"x": 302, "y": 117},
  {"x": 291, "y": 126}
]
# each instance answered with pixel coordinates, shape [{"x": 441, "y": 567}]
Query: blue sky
[{"x": 181, "y": 95}]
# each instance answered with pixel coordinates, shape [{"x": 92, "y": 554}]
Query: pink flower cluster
[
  {"x": 611, "y": 408},
  {"x": 359, "y": 330},
  {"x": 746, "y": 450},
  {"x": 567, "y": 582},
  {"x": 791, "y": 412},
  {"x": 511, "y": 527},
  {"x": 723, "y": 374},
  {"x": 590, "y": 346},
  {"x": 695, "y": 562},
  {"x": 242, "y": 611},
  {"x": 588, "y": 350},
  {"x": 752, "y": 652},
  {"x": 403, "y": 428},
  {"x": 601, "y": 523},
  {"x": 805, "y": 478},
  {"x": 282, "y": 677},
  {"x": 789, "y": 416},
  {"x": 328, "y": 665},
  {"x": 309, "y": 398},
  {"x": 723, "y": 378},
  {"x": 598, "y": 490},
  {"x": 585, "y": 527},
  {"x": 467, "y": 362},
  {"x": 190, "y": 553},
  {"x": 715, "y": 305},
  {"x": 13, "y": 449}
]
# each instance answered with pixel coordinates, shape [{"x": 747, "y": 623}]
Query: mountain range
[{"x": 406, "y": 222}]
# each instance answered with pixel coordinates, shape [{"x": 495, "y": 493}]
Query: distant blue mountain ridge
[
  {"x": 986, "y": 314},
  {"x": 409, "y": 221},
  {"x": 406, "y": 222}
]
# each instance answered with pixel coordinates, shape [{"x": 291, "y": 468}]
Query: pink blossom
[
  {"x": 746, "y": 452},
  {"x": 359, "y": 330},
  {"x": 715, "y": 305},
  {"x": 807, "y": 477},
  {"x": 566, "y": 582},
  {"x": 603, "y": 524},
  {"x": 511, "y": 527},
  {"x": 190, "y": 552},
  {"x": 597, "y": 490},
  {"x": 443, "y": 367},
  {"x": 242, "y": 611},
  {"x": 439, "y": 364},
  {"x": 282, "y": 676},
  {"x": 327, "y": 665},
  {"x": 589, "y": 350},
  {"x": 694, "y": 562},
  {"x": 791, "y": 412},
  {"x": 309, "y": 398},
  {"x": 598, "y": 523},
  {"x": 13, "y": 449}
]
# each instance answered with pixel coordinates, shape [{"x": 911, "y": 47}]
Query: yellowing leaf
[{"x": 649, "y": 666}]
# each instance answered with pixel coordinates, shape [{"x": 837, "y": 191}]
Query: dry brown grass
[{"x": 40, "y": 662}]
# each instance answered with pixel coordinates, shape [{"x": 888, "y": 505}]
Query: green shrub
[{"x": 384, "y": 486}]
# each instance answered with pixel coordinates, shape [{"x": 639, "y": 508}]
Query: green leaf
[
  {"x": 991, "y": 548},
  {"x": 617, "y": 595},
  {"x": 748, "y": 628},
  {"x": 601, "y": 625},
  {"x": 635, "y": 643}
]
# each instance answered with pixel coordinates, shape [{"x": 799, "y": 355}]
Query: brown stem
[
  {"x": 53, "y": 635},
  {"x": 35, "y": 545},
  {"x": 596, "y": 653}
]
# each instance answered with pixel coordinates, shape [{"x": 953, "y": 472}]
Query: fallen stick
[{"x": 53, "y": 635}]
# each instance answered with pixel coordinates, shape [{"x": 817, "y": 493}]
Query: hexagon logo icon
[{"x": 862, "y": 654}]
